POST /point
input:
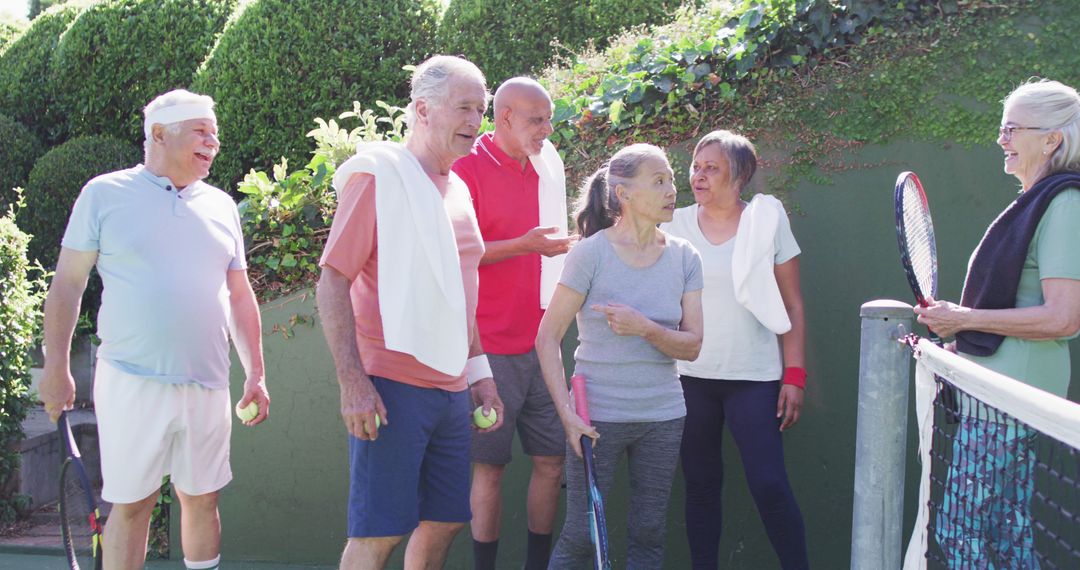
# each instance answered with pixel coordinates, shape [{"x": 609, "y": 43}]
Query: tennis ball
[
  {"x": 482, "y": 421},
  {"x": 378, "y": 423},
  {"x": 247, "y": 413}
]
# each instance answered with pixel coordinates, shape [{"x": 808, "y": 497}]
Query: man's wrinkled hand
[
  {"x": 485, "y": 394},
  {"x": 359, "y": 404},
  {"x": 540, "y": 240}
]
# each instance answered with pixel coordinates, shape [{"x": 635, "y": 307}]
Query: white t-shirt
[
  {"x": 163, "y": 257},
  {"x": 735, "y": 345}
]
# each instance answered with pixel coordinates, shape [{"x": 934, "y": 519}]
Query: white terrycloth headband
[{"x": 178, "y": 113}]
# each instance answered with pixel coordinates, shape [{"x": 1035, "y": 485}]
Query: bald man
[{"x": 505, "y": 187}]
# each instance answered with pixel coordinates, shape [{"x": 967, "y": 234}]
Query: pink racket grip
[{"x": 581, "y": 403}]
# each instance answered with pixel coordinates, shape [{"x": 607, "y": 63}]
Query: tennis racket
[
  {"x": 81, "y": 524},
  {"x": 918, "y": 255},
  {"x": 597, "y": 521}
]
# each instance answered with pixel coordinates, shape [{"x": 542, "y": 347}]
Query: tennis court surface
[{"x": 41, "y": 560}]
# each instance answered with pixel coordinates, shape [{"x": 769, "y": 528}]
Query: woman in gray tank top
[{"x": 636, "y": 294}]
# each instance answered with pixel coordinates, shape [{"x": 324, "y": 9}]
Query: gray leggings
[{"x": 652, "y": 450}]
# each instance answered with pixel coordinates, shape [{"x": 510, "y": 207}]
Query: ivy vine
[{"x": 811, "y": 80}]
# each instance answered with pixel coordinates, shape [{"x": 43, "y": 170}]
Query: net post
[{"x": 881, "y": 436}]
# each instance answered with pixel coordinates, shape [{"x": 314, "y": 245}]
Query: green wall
[{"x": 287, "y": 502}]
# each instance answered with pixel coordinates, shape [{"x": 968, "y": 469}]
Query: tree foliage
[
  {"x": 20, "y": 148},
  {"x": 506, "y": 38},
  {"x": 21, "y": 294},
  {"x": 25, "y": 93},
  {"x": 279, "y": 63},
  {"x": 120, "y": 54}
]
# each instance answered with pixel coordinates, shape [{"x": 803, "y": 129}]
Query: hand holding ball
[
  {"x": 247, "y": 413},
  {"x": 482, "y": 421}
]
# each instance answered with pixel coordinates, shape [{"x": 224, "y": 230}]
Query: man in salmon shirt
[
  {"x": 505, "y": 187},
  {"x": 397, "y": 297}
]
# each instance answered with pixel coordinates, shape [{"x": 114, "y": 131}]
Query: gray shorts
[{"x": 528, "y": 407}]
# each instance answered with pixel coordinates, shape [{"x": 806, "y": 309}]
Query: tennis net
[{"x": 1000, "y": 488}]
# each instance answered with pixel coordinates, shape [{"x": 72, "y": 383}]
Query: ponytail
[{"x": 598, "y": 207}]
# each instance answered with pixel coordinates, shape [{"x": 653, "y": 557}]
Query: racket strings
[
  {"x": 78, "y": 521},
  {"x": 919, "y": 239}
]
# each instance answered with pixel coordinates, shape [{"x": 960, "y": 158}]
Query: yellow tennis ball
[
  {"x": 482, "y": 421},
  {"x": 378, "y": 424},
  {"x": 247, "y": 413}
]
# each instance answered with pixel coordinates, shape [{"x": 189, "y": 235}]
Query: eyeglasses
[{"x": 1006, "y": 131}]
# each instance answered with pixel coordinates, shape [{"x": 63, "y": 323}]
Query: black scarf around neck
[{"x": 994, "y": 275}]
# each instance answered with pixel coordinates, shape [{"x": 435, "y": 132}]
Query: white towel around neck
[
  {"x": 421, "y": 295},
  {"x": 753, "y": 266},
  {"x": 552, "y": 196}
]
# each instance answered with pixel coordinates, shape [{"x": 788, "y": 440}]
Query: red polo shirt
[{"x": 505, "y": 198}]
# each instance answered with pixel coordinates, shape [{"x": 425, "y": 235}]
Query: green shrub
[
  {"x": 120, "y": 54},
  {"x": 286, "y": 215},
  {"x": 56, "y": 180},
  {"x": 506, "y": 38},
  {"x": 24, "y": 71},
  {"x": 608, "y": 18},
  {"x": 38, "y": 6},
  {"x": 19, "y": 315},
  {"x": 279, "y": 63},
  {"x": 9, "y": 30},
  {"x": 20, "y": 148}
]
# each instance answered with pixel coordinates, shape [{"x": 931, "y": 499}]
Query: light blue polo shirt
[{"x": 163, "y": 257}]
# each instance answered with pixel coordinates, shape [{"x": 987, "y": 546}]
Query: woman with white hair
[
  {"x": 1019, "y": 308},
  {"x": 636, "y": 294}
]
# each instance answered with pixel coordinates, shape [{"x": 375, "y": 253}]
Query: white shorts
[{"x": 149, "y": 429}]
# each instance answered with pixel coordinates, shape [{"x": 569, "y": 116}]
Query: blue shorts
[{"x": 418, "y": 468}]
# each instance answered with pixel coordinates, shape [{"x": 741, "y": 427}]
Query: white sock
[{"x": 213, "y": 564}]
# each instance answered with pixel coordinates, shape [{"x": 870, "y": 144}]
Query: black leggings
[{"x": 749, "y": 408}]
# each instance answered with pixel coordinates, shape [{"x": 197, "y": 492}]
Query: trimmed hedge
[
  {"x": 506, "y": 38},
  {"x": 10, "y": 30},
  {"x": 25, "y": 94},
  {"x": 19, "y": 314},
  {"x": 279, "y": 63},
  {"x": 610, "y": 17},
  {"x": 56, "y": 180},
  {"x": 20, "y": 148},
  {"x": 120, "y": 54}
]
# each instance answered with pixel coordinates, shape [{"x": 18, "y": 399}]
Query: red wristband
[{"x": 795, "y": 376}]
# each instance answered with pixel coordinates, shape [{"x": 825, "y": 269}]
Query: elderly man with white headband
[
  {"x": 397, "y": 298},
  {"x": 170, "y": 253}
]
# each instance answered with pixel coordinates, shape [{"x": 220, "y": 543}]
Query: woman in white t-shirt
[{"x": 749, "y": 376}]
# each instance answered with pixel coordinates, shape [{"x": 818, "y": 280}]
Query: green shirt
[{"x": 1052, "y": 254}]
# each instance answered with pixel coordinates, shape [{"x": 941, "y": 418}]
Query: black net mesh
[{"x": 1002, "y": 494}]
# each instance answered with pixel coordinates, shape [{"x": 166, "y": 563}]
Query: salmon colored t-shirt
[{"x": 352, "y": 249}]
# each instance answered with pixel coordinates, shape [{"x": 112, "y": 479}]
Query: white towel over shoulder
[
  {"x": 552, "y": 195},
  {"x": 421, "y": 295},
  {"x": 753, "y": 266}
]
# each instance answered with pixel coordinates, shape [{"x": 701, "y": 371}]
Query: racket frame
[
  {"x": 597, "y": 519},
  {"x": 901, "y": 233},
  {"x": 948, "y": 394},
  {"x": 72, "y": 466}
]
